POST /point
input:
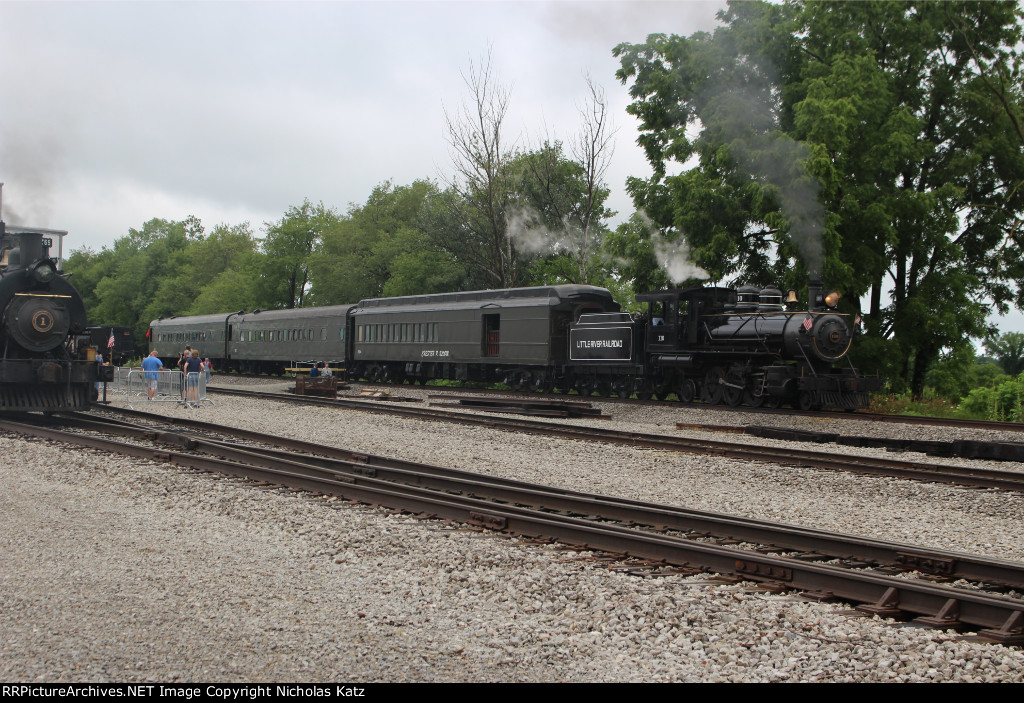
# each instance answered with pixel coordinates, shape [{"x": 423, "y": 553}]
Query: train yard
[{"x": 432, "y": 600}]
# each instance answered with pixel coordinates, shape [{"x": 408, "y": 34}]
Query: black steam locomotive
[
  {"x": 717, "y": 344},
  {"x": 724, "y": 346},
  {"x": 40, "y": 369}
]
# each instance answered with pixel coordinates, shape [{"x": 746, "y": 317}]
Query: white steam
[
  {"x": 674, "y": 257},
  {"x": 529, "y": 233}
]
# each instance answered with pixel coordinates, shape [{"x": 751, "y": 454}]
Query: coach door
[{"x": 492, "y": 335}]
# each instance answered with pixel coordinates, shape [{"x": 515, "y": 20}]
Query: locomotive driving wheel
[
  {"x": 753, "y": 398},
  {"x": 734, "y": 387},
  {"x": 686, "y": 390},
  {"x": 713, "y": 388}
]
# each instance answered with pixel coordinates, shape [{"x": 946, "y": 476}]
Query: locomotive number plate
[{"x": 42, "y": 321}]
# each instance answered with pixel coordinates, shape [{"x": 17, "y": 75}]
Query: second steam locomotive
[
  {"x": 721, "y": 345},
  {"x": 41, "y": 368}
]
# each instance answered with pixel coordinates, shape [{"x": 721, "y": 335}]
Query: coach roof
[{"x": 507, "y": 297}]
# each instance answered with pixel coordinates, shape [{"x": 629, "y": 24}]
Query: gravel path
[{"x": 117, "y": 569}]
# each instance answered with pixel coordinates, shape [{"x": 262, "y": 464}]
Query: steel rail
[
  {"x": 939, "y": 606},
  {"x": 919, "y": 471},
  {"x": 948, "y": 564}
]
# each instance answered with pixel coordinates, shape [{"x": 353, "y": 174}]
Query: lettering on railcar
[{"x": 601, "y": 344}]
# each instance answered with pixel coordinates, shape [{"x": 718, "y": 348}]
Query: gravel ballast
[{"x": 124, "y": 570}]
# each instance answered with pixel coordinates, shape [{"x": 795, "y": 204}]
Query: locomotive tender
[
  {"x": 40, "y": 370},
  {"x": 717, "y": 344}
]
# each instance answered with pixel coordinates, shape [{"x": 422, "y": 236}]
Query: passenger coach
[
  {"x": 519, "y": 336},
  {"x": 263, "y": 341}
]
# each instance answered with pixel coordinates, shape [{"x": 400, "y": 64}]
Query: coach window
[{"x": 323, "y": 334}]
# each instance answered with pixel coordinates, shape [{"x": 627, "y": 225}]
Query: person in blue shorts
[{"x": 151, "y": 364}]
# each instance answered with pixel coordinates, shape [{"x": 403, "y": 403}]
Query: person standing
[
  {"x": 191, "y": 367},
  {"x": 151, "y": 364},
  {"x": 182, "y": 355}
]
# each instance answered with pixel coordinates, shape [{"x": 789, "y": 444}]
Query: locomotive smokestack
[{"x": 814, "y": 296}]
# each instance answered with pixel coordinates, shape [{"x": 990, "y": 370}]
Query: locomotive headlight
[
  {"x": 832, "y": 299},
  {"x": 43, "y": 271}
]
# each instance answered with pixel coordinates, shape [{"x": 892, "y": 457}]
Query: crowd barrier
[{"x": 171, "y": 386}]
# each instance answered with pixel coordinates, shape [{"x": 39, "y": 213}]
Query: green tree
[
  {"x": 557, "y": 219},
  {"x": 382, "y": 249},
  {"x": 876, "y": 145},
  {"x": 168, "y": 268},
  {"x": 632, "y": 257},
  {"x": 289, "y": 247},
  {"x": 1008, "y": 349},
  {"x": 139, "y": 263}
]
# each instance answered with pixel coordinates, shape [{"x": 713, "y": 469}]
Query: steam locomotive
[
  {"x": 40, "y": 367},
  {"x": 722, "y": 345},
  {"x": 729, "y": 346}
]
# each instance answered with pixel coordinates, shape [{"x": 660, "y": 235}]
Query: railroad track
[
  {"x": 827, "y": 414},
  {"x": 776, "y": 556},
  {"x": 860, "y": 415},
  {"x": 920, "y": 471}
]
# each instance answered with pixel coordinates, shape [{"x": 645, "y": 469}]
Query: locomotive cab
[{"x": 678, "y": 317}]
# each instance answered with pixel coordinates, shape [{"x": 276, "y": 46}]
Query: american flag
[
  {"x": 110, "y": 342},
  {"x": 808, "y": 323}
]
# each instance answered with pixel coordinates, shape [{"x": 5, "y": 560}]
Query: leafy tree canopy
[
  {"x": 1008, "y": 349},
  {"x": 877, "y": 145}
]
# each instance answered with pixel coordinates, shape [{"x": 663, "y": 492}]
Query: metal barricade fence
[
  {"x": 120, "y": 383},
  {"x": 171, "y": 386},
  {"x": 195, "y": 388}
]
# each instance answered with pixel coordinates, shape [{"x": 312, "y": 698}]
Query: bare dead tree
[
  {"x": 478, "y": 216},
  {"x": 593, "y": 150},
  {"x": 572, "y": 199}
]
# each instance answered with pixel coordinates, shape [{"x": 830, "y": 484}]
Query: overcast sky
[
  {"x": 113, "y": 113},
  {"x": 117, "y": 112}
]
